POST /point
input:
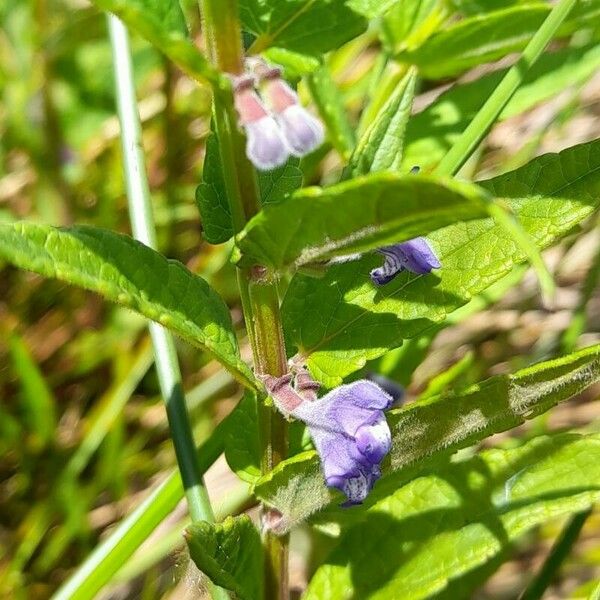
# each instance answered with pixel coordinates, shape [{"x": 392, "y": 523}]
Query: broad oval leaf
[
  {"x": 318, "y": 224},
  {"x": 125, "y": 271},
  {"x": 339, "y": 322},
  {"x": 456, "y": 518},
  {"x": 163, "y": 25},
  {"x": 230, "y": 553},
  {"x": 438, "y": 426},
  {"x": 307, "y": 26}
]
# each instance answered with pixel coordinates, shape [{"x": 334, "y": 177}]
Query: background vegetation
[{"x": 83, "y": 432}]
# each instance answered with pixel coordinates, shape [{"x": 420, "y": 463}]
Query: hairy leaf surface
[
  {"x": 436, "y": 427},
  {"x": 318, "y": 224},
  {"x": 230, "y": 553}
]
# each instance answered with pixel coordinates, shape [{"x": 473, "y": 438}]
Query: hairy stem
[{"x": 258, "y": 289}]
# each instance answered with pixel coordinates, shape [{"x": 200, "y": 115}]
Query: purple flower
[
  {"x": 350, "y": 434},
  {"x": 415, "y": 256},
  {"x": 302, "y": 132},
  {"x": 265, "y": 146}
]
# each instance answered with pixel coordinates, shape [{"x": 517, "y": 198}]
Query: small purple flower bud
[
  {"x": 265, "y": 146},
  {"x": 350, "y": 434},
  {"x": 302, "y": 132},
  {"x": 415, "y": 256}
]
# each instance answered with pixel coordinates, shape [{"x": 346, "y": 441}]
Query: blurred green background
[{"x": 83, "y": 434}]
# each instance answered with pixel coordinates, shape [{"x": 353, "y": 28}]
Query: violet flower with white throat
[
  {"x": 265, "y": 146},
  {"x": 302, "y": 132},
  {"x": 415, "y": 256},
  {"x": 347, "y": 426}
]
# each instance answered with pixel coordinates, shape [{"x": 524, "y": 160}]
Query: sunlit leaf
[
  {"x": 438, "y": 426},
  {"x": 339, "y": 322},
  {"x": 317, "y": 224},
  {"x": 453, "y": 519}
]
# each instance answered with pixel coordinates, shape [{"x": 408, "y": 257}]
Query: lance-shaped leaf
[
  {"x": 486, "y": 37},
  {"x": 380, "y": 148},
  {"x": 211, "y": 196},
  {"x": 318, "y": 224},
  {"x": 432, "y": 132},
  {"x": 332, "y": 111},
  {"x": 163, "y": 25},
  {"x": 456, "y": 518},
  {"x": 125, "y": 271},
  {"x": 230, "y": 553},
  {"x": 438, "y": 426},
  {"x": 340, "y": 321},
  {"x": 307, "y": 26},
  {"x": 477, "y": 40}
]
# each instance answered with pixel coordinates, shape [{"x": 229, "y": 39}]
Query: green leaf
[
  {"x": 411, "y": 22},
  {"x": 37, "y": 398},
  {"x": 318, "y": 224},
  {"x": 438, "y": 426},
  {"x": 339, "y": 322},
  {"x": 371, "y": 8},
  {"x": 161, "y": 22},
  {"x": 242, "y": 443},
  {"x": 278, "y": 184},
  {"x": 125, "y": 271},
  {"x": 330, "y": 103},
  {"x": 306, "y": 26},
  {"x": 477, "y": 40},
  {"x": 230, "y": 553},
  {"x": 432, "y": 132},
  {"x": 295, "y": 65},
  {"x": 444, "y": 524},
  {"x": 474, "y": 7},
  {"x": 211, "y": 196},
  {"x": 489, "y": 36},
  {"x": 381, "y": 146}
]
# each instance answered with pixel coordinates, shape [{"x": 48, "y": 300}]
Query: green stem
[
  {"x": 144, "y": 230},
  {"x": 561, "y": 549},
  {"x": 489, "y": 113},
  {"x": 258, "y": 289}
]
